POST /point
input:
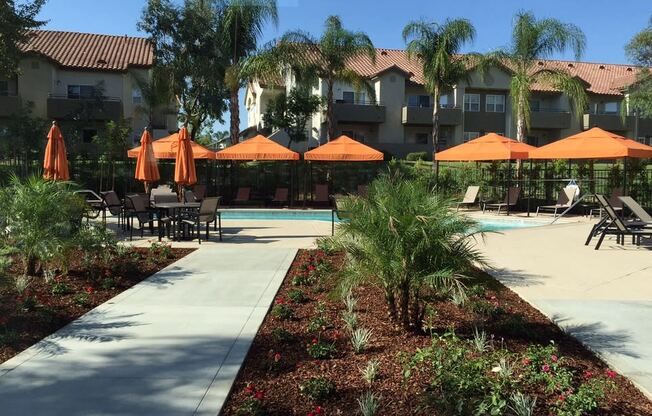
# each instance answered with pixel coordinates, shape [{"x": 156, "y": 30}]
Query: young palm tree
[
  {"x": 310, "y": 59},
  {"x": 533, "y": 40},
  {"x": 242, "y": 26},
  {"x": 438, "y": 46}
]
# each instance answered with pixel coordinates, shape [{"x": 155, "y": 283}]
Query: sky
[{"x": 607, "y": 24}]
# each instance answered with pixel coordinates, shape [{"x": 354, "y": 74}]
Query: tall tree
[
  {"x": 310, "y": 58},
  {"x": 639, "y": 50},
  {"x": 533, "y": 40},
  {"x": 242, "y": 23},
  {"x": 291, "y": 112},
  {"x": 188, "y": 48},
  {"x": 15, "y": 22},
  {"x": 156, "y": 94},
  {"x": 438, "y": 46}
]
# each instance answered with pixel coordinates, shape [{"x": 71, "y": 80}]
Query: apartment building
[
  {"x": 399, "y": 120},
  {"x": 87, "y": 79}
]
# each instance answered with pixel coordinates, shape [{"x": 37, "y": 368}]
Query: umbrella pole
[
  {"x": 625, "y": 176},
  {"x": 529, "y": 192},
  {"x": 509, "y": 182}
]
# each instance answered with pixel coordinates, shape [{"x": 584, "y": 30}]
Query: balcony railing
[
  {"x": 549, "y": 118},
  {"x": 358, "y": 102},
  {"x": 359, "y": 112},
  {"x": 93, "y": 108},
  {"x": 422, "y": 116}
]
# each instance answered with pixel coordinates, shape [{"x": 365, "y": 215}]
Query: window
[
  {"x": 80, "y": 91},
  {"x": 348, "y": 97},
  {"x": 4, "y": 87},
  {"x": 611, "y": 107},
  {"x": 361, "y": 98},
  {"x": 418, "y": 101},
  {"x": 88, "y": 135},
  {"x": 470, "y": 135},
  {"x": 495, "y": 103},
  {"x": 471, "y": 102},
  {"x": 421, "y": 138},
  {"x": 137, "y": 95},
  {"x": 443, "y": 102},
  {"x": 535, "y": 105}
]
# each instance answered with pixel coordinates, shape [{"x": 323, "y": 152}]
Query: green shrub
[
  {"x": 317, "y": 389},
  {"x": 282, "y": 312},
  {"x": 413, "y": 157},
  {"x": 81, "y": 299},
  {"x": 283, "y": 335},
  {"x": 321, "y": 350},
  {"x": 297, "y": 296},
  {"x": 60, "y": 288}
]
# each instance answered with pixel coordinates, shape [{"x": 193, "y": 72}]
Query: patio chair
[
  {"x": 113, "y": 204},
  {"x": 619, "y": 228},
  {"x": 243, "y": 196},
  {"x": 564, "y": 201},
  {"x": 136, "y": 206},
  {"x": 614, "y": 201},
  {"x": 511, "y": 199},
  {"x": 637, "y": 211},
  {"x": 281, "y": 196},
  {"x": 470, "y": 197},
  {"x": 208, "y": 213},
  {"x": 199, "y": 191},
  {"x": 321, "y": 195},
  {"x": 189, "y": 196}
]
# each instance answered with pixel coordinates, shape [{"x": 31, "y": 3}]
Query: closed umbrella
[
  {"x": 146, "y": 167},
  {"x": 55, "y": 164},
  {"x": 184, "y": 165}
]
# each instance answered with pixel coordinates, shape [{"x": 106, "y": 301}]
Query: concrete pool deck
[{"x": 603, "y": 298}]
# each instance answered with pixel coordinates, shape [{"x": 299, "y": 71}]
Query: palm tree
[
  {"x": 438, "y": 46},
  {"x": 324, "y": 58},
  {"x": 533, "y": 40},
  {"x": 242, "y": 26}
]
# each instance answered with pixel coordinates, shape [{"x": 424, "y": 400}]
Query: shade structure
[
  {"x": 55, "y": 163},
  {"x": 257, "y": 148},
  {"x": 166, "y": 148},
  {"x": 594, "y": 143},
  {"x": 184, "y": 165},
  {"x": 146, "y": 167},
  {"x": 491, "y": 146},
  {"x": 344, "y": 149}
]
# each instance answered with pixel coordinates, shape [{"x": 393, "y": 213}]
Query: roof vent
[
  {"x": 601, "y": 67},
  {"x": 540, "y": 63},
  {"x": 384, "y": 53},
  {"x": 629, "y": 69},
  {"x": 101, "y": 61},
  {"x": 571, "y": 66}
]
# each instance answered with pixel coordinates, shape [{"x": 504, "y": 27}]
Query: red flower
[
  {"x": 250, "y": 388},
  {"x": 259, "y": 395},
  {"x": 545, "y": 368},
  {"x": 277, "y": 357},
  {"x": 561, "y": 398},
  {"x": 554, "y": 358},
  {"x": 319, "y": 410},
  {"x": 311, "y": 414},
  {"x": 314, "y": 341},
  {"x": 311, "y": 267},
  {"x": 526, "y": 361},
  {"x": 280, "y": 301},
  {"x": 89, "y": 289},
  {"x": 588, "y": 374},
  {"x": 19, "y": 298},
  {"x": 610, "y": 374}
]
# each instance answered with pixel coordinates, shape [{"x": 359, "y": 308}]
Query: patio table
[{"x": 176, "y": 210}]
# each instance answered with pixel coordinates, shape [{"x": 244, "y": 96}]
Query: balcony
[
  {"x": 9, "y": 104},
  {"x": 360, "y": 112},
  {"x": 101, "y": 108},
  {"x": 422, "y": 116},
  {"x": 607, "y": 121},
  {"x": 549, "y": 118}
]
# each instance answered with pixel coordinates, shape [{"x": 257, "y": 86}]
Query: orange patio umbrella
[
  {"x": 344, "y": 149},
  {"x": 257, "y": 148},
  {"x": 146, "y": 167},
  {"x": 184, "y": 165},
  {"x": 55, "y": 164},
  {"x": 166, "y": 148},
  {"x": 491, "y": 146},
  {"x": 593, "y": 144}
]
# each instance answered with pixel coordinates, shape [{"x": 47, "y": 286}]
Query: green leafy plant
[
  {"x": 283, "y": 335},
  {"x": 321, "y": 350},
  {"x": 60, "y": 288},
  {"x": 317, "y": 389},
  {"x": 253, "y": 404},
  {"x": 282, "y": 311},
  {"x": 350, "y": 320},
  {"x": 360, "y": 339},
  {"x": 81, "y": 299},
  {"x": 320, "y": 321},
  {"x": 522, "y": 405},
  {"x": 369, "y": 403},
  {"x": 297, "y": 296},
  {"x": 21, "y": 284},
  {"x": 370, "y": 371}
]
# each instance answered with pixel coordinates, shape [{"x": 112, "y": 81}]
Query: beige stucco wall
[
  {"x": 35, "y": 83},
  {"x": 390, "y": 87}
]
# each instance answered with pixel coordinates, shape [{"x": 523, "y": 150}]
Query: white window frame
[
  {"x": 137, "y": 95},
  {"x": 470, "y": 103},
  {"x": 443, "y": 101},
  {"x": 493, "y": 104},
  {"x": 616, "y": 111},
  {"x": 470, "y": 135}
]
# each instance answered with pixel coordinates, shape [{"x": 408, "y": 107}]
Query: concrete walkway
[
  {"x": 171, "y": 345},
  {"x": 603, "y": 298}
]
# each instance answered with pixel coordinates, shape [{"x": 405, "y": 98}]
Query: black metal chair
[
  {"x": 208, "y": 213},
  {"x": 136, "y": 207},
  {"x": 114, "y": 205}
]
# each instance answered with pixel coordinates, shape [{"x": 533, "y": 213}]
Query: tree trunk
[
  {"x": 520, "y": 131},
  {"x": 330, "y": 122},
  {"x": 435, "y": 129},
  {"x": 391, "y": 302},
  {"x": 235, "y": 115},
  {"x": 405, "y": 305}
]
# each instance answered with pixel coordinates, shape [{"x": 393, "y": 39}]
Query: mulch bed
[
  {"x": 281, "y": 391},
  {"x": 21, "y": 327}
]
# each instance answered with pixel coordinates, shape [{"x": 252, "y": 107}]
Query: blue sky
[{"x": 608, "y": 24}]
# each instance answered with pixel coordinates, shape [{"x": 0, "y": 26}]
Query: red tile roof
[
  {"x": 599, "y": 78},
  {"x": 74, "y": 50}
]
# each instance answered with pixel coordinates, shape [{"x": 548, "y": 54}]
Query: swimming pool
[{"x": 325, "y": 215}]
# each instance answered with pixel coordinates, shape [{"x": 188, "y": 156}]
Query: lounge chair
[
  {"x": 208, "y": 213},
  {"x": 511, "y": 199},
  {"x": 321, "y": 195},
  {"x": 616, "y": 226},
  {"x": 470, "y": 197},
  {"x": 564, "y": 201},
  {"x": 281, "y": 196},
  {"x": 636, "y": 210},
  {"x": 614, "y": 201},
  {"x": 243, "y": 195}
]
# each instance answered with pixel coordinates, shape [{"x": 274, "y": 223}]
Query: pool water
[{"x": 325, "y": 215}]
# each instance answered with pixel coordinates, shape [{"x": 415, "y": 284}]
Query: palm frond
[{"x": 570, "y": 86}]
